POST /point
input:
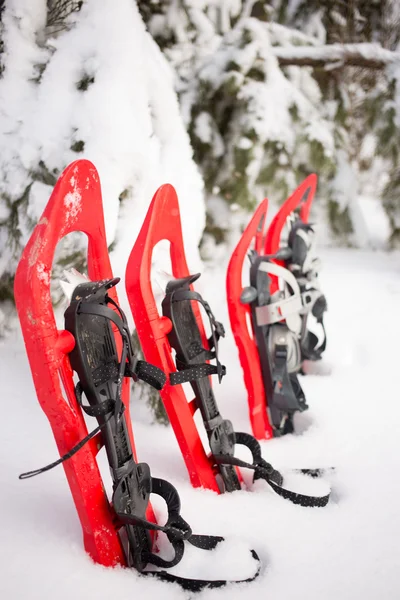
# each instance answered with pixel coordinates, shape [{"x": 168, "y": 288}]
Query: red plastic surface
[
  {"x": 163, "y": 223},
  {"x": 294, "y": 202},
  {"x": 75, "y": 205},
  {"x": 240, "y": 314},
  {"x": 240, "y": 318}
]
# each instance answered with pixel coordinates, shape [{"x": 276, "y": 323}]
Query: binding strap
[
  {"x": 66, "y": 456},
  {"x": 264, "y": 470},
  {"x": 194, "y": 372},
  {"x": 309, "y": 340},
  {"x": 283, "y": 308},
  {"x": 187, "y": 372},
  {"x": 137, "y": 369},
  {"x": 196, "y": 585}
]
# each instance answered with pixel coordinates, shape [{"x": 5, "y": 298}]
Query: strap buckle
[
  {"x": 219, "y": 329},
  {"x": 222, "y": 438},
  {"x": 131, "y": 367},
  {"x": 221, "y": 371}
]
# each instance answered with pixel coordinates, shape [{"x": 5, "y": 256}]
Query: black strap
[
  {"x": 288, "y": 395},
  {"x": 150, "y": 374},
  {"x": 196, "y": 585},
  {"x": 309, "y": 341},
  {"x": 66, "y": 456},
  {"x": 140, "y": 368},
  {"x": 280, "y": 367},
  {"x": 264, "y": 470},
  {"x": 217, "y": 331},
  {"x": 194, "y": 372},
  {"x": 104, "y": 409},
  {"x": 177, "y": 531},
  {"x": 99, "y": 410}
]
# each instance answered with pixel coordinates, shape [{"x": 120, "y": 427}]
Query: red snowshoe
[{"x": 269, "y": 317}]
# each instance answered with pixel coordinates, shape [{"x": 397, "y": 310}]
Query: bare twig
[{"x": 59, "y": 10}]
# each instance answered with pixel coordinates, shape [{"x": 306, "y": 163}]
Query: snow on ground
[{"x": 348, "y": 550}]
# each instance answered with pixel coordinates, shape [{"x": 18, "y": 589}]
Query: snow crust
[{"x": 348, "y": 550}]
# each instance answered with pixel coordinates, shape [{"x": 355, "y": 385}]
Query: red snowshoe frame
[
  {"x": 300, "y": 200},
  {"x": 75, "y": 205},
  {"x": 265, "y": 243},
  {"x": 163, "y": 223}
]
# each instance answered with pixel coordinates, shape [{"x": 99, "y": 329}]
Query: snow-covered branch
[{"x": 371, "y": 56}]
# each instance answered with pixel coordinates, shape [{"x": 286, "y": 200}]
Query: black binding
[
  {"x": 295, "y": 263},
  {"x": 191, "y": 365},
  {"x": 101, "y": 372},
  {"x": 283, "y": 389}
]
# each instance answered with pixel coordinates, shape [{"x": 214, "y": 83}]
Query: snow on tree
[
  {"x": 99, "y": 88},
  {"x": 259, "y": 123}
]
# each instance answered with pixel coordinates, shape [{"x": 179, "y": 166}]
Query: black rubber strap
[
  {"x": 142, "y": 369},
  {"x": 194, "y": 372},
  {"x": 98, "y": 410},
  {"x": 322, "y": 348},
  {"x": 99, "y": 310},
  {"x": 217, "y": 329},
  {"x": 309, "y": 341},
  {"x": 196, "y": 585},
  {"x": 264, "y": 470},
  {"x": 177, "y": 531},
  {"x": 68, "y": 455},
  {"x": 150, "y": 374},
  {"x": 296, "y": 498}
]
